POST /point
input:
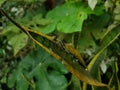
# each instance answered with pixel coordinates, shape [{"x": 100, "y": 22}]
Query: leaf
[
  {"x": 108, "y": 4},
  {"x": 2, "y": 1},
  {"x": 75, "y": 83},
  {"x": 103, "y": 67},
  {"x": 43, "y": 70},
  {"x": 109, "y": 38},
  {"x": 69, "y": 17},
  {"x": 37, "y": 22},
  {"x": 10, "y": 31},
  {"x": 95, "y": 27},
  {"x": 92, "y": 3},
  {"x": 18, "y": 40},
  {"x": 114, "y": 80},
  {"x": 72, "y": 23},
  {"x": 30, "y": 1}
]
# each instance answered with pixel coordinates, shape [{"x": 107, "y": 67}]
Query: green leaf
[
  {"x": 18, "y": 40},
  {"x": 95, "y": 27},
  {"x": 75, "y": 83},
  {"x": 72, "y": 23},
  {"x": 69, "y": 17},
  {"x": 114, "y": 80},
  {"x": 10, "y": 31},
  {"x": 30, "y": 1},
  {"x": 45, "y": 71},
  {"x": 2, "y": 1},
  {"x": 109, "y": 38}
]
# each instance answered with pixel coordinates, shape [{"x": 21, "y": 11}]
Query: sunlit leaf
[
  {"x": 18, "y": 40},
  {"x": 69, "y": 17},
  {"x": 108, "y": 4},
  {"x": 72, "y": 23},
  {"x": 2, "y": 1}
]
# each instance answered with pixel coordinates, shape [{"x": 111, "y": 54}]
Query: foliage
[
  {"x": 62, "y": 17},
  {"x": 92, "y": 27},
  {"x": 42, "y": 72}
]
